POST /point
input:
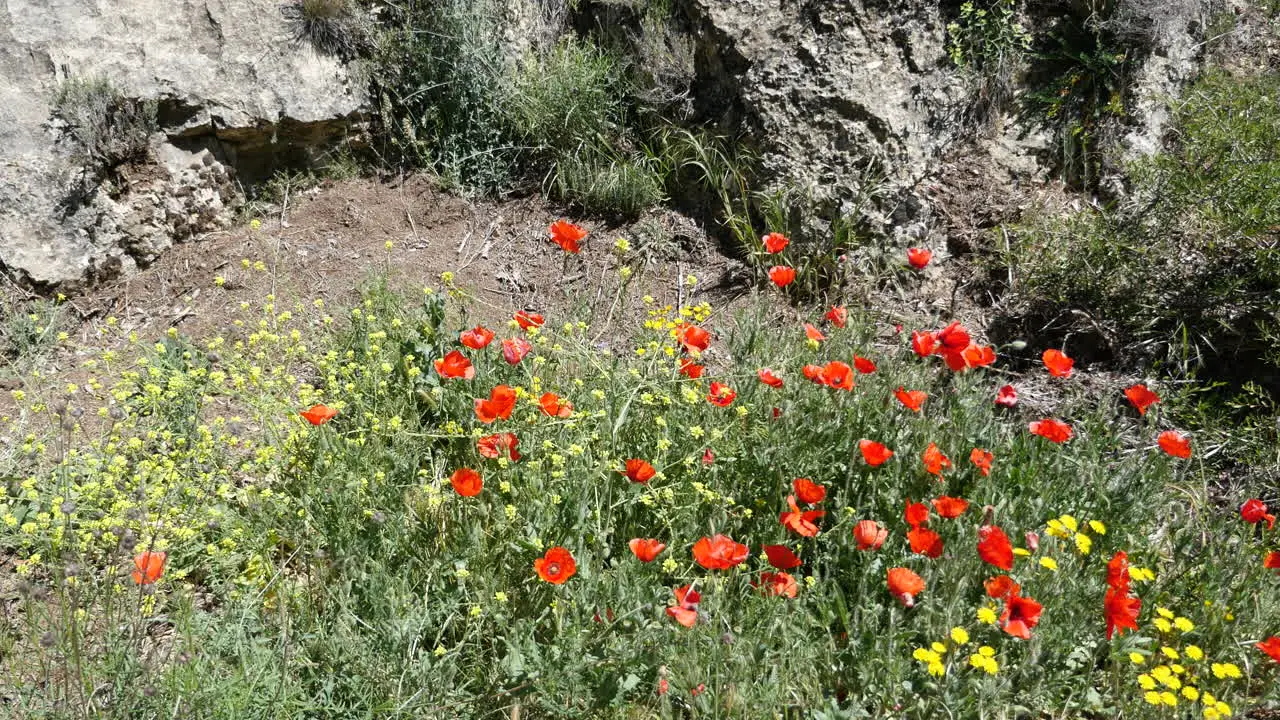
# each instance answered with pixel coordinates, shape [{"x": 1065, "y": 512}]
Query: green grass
[{"x": 331, "y": 571}]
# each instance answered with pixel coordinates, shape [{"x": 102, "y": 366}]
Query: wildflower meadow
[{"x": 392, "y": 510}]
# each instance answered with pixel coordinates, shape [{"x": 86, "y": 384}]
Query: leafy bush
[
  {"x": 1188, "y": 272},
  {"x": 565, "y": 96},
  {"x": 989, "y": 42},
  {"x": 106, "y": 129},
  {"x": 440, "y": 76},
  {"x": 339, "y": 559},
  {"x": 28, "y": 330}
]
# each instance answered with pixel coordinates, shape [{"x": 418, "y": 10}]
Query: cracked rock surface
[{"x": 232, "y": 88}]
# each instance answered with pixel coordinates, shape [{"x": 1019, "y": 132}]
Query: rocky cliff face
[
  {"x": 232, "y": 90},
  {"x": 846, "y": 97},
  {"x": 842, "y": 99},
  {"x": 839, "y": 96}
]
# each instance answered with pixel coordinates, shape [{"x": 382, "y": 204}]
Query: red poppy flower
[
  {"x": 639, "y": 471},
  {"x": 873, "y": 452},
  {"x": 1057, "y": 362},
  {"x": 781, "y": 275},
  {"x": 477, "y": 338},
  {"x": 708, "y": 457},
  {"x": 567, "y": 235},
  {"x": 319, "y": 414},
  {"x": 925, "y": 542},
  {"x": 554, "y": 406},
  {"x": 775, "y": 243},
  {"x": 1254, "y": 511},
  {"x": 778, "y": 584},
  {"x": 954, "y": 337},
  {"x": 1270, "y": 646},
  {"x": 863, "y": 365},
  {"x": 769, "y": 377},
  {"x": 904, "y": 585},
  {"x": 1141, "y": 397},
  {"x": 934, "y": 460},
  {"x": 916, "y": 514},
  {"x": 781, "y": 557},
  {"x": 1121, "y": 611},
  {"x": 911, "y": 399},
  {"x": 1020, "y": 615},
  {"x": 693, "y": 338},
  {"x": 1272, "y": 560},
  {"x": 919, "y": 257},
  {"x": 455, "y": 365},
  {"x": 982, "y": 460},
  {"x": 869, "y": 534},
  {"x": 685, "y": 611},
  {"x": 838, "y": 315},
  {"x": 514, "y": 350},
  {"x": 721, "y": 395},
  {"x": 994, "y": 547},
  {"x": 1175, "y": 444},
  {"x": 646, "y": 549},
  {"x": 555, "y": 566},
  {"x": 974, "y": 356},
  {"x": 1118, "y": 571},
  {"x": 1000, "y": 587},
  {"x": 466, "y": 482},
  {"x": 691, "y": 369},
  {"x": 500, "y": 445},
  {"x": 954, "y": 359},
  {"x": 1007, "y": 397},
  {"x": 923, "y": 343},
  {"x": 808, "y": 491},
  {"x": 950, "y": 507},
  {"x": 812, "y": 373},
  {"x": 502, "y": 400},
  {"x": 148, "y": 566},
  {"x": 1050, "y": 429},
  {"x": 801, "y": 523},
  {"x": 719, "y": 552},
  {"x": 837, "y": 375},
  {"x": 528, "y": 319},
  {"x": 813, "y": 333}
]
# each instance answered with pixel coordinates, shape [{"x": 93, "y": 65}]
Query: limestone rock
[{"x": 232, "y": 89}]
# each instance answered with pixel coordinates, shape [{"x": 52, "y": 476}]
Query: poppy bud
[{"x": 1033, "y": 541}]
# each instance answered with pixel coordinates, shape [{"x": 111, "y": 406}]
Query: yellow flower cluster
[
  {"x": 1068, "y": 527},
  {"x": 1180, "y": 676}
]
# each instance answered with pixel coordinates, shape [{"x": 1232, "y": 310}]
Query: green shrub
[
  {"x": 566, "y": 96},
  {"x": 990, "y": 43},
  {"x": 441, "y": 77},
  {"x": 1187, "y": 273},
  {"x": 106, "y": 129},
  {"x": 28, "y": 330}
]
